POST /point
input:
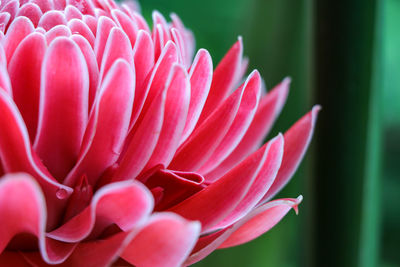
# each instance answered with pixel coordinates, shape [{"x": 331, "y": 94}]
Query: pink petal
[
  {"x": 175, "y": 112},
  {"x": 45, "y": 5},
  {"x": 16, "y": 156},
  {"x": 189, "y": 43},
  {"x": 297, "y": 139},
  {"x": 117, "y": 46},
  {"x": 268, "y": 109},
  {"x": 155, "y": 82},
  {"x": 80, "y": 28},
  {"x": 31, "y": 11},
  {"x": 24, "y": 70},
  {"x": 126, "y": 204},
  {"x": 225, "y": 194},
  {"x": 22, "y": 207},
  {"x": 260, "y": 221},
  {"x": 165, "y": 241},
  {"x": 140, "y": 146},
  {"x": 57, "y": 31},
  {"x": 110, "y": 121},
  {"x": 23, "y": 210},
  {"x": 11, "y": 8},
  {"x": 175, "y": 186},
  {"x": 91, "y": 63},
  {"x": 4, "y": 19},
  {"x": 63, "y": 105},
  {"x": 261, "y": 184},
  {"x": 198, "y": 148},
  {"x": 17, "y": 31},
  {"x": 200, "y": 82},
  {"x": 224, "y": 78},
  {"x": 103, "y": 31},
  {"x": 5, "y": 83},
  {"x": 244, "y": 116},
  {"x": 141, "y": 22},
  {"x": 143, "y": 52},
  {"x": 253, "y": 225},
  {"x": 85, "y": 6},
  {"x": 127, "y": 24},
  {"x": 51, "y": 19},
  {"x": 72, "y": 12}
]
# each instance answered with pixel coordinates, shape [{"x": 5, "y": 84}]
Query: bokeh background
[{"x": 344, "y": 55}]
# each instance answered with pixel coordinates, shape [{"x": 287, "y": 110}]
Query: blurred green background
[{"x": 344, "y": 55}]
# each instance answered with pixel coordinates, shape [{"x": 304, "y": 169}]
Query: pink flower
[{"x": 116, "y": 145}]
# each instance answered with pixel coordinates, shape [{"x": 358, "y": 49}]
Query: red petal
[
  {"x": 198, "y": 148},
  {"x": 200, "y": 82},
  {"x": 126, "y": 204},
  {"x": 253, "y": 225},
  {"x": 57, "y": 31},
  {"x": 17, "y": 31},
  {"x": 64, "y": 105},
  {"x": 117, "y": 46},
  {"x": 24, "y": 70},
  {"x": 103, "y": 31},
  {"x": 225, "y": 194},
  {"x": 267, "y": 111},
  {"x": 109, "y": 123},
  {"x": 80, "y": 28},
  {"x": 127, "y": 24},
  {"x": 240, "y": 124},
  {"x": 31, "y": 11},
  {"x": 16, "y": 156},
  {"x": 176, "y": 108},
  {"x": 224, "y": 78},
  {"x": 297, "y": 139},
  {"x": 51, "y": 19},
  {"x": 261, "y": 184},
  {"x": 165, "y": 241}
]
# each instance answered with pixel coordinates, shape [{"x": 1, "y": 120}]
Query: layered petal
[
  {"x": 170, "y": 236},
  {"x": 63, "y": 105},
  {"x": 297, "y": 139}
]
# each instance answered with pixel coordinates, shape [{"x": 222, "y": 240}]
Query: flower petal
[
  {"x": 17, "y": 156},
  {"x": 297, "y": 139},
  {"x": 261, "y": 184},
  {"x": 127, "y": 204},
  {"x": 51, "y": 19},
  {"x": 109, "y": 123},
  {"x": 104, "y": 27},
  {"x": 225, "y": 194},
  {"x": 175, "y": 112},
  {"x": 17, "y": 31},
  {"x": 198, "y": 148},
  {"x": 31, "y": 11},
  {"x": 267, "y": 111},
  {"x": 253, "y": 225},
  {"x": 63, "y": 105},
  {"x": 143, "y": 52},
  {"x": 244, "y": 116},
  {"x": 200, "y": 82},
  {"x": 224, "y": 78},
  {"x": 165, "y": 241}
]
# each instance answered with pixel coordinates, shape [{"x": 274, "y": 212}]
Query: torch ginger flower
[{"x": 116, "y": 146}]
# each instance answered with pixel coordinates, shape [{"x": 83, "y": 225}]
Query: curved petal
[
  {"x": 200, "y": 82},
  {"x": 17, "y": 31},
  {"x": 165, "y": 241},
  {"x": 198, "y": 148},
  {"x": 103, "y": 31},
  {"x": 31, "y": 11},
  {"x": 79, "y": 27},
  {"x": 72, "y": 12},
  {"x": 261, "y": 184},
  {"x": 109, "y": 123},
  {"x": 57, "y": 31},
  {"x": 256, "y": 223},
  {"x": 243, "y": 118},
  {"x": 17, "y": 156},
  {"x": 268, "y": 109},
  {"x": 63, "y": 105},
  {"x": 117, "y": 47},
  {"x": 175, "y": 112},
  {"x": 51, "y": 19},
  {"x": 128, "y": 25},
  {"x": 126, "y": 204},
  {"x": 25, "y": 71},
  {"x": 225, "y": 194},
  {"x": 297, "y": 139},
  {"x": 23, "y": 210},
  {"x": 224, "y": 78}
]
